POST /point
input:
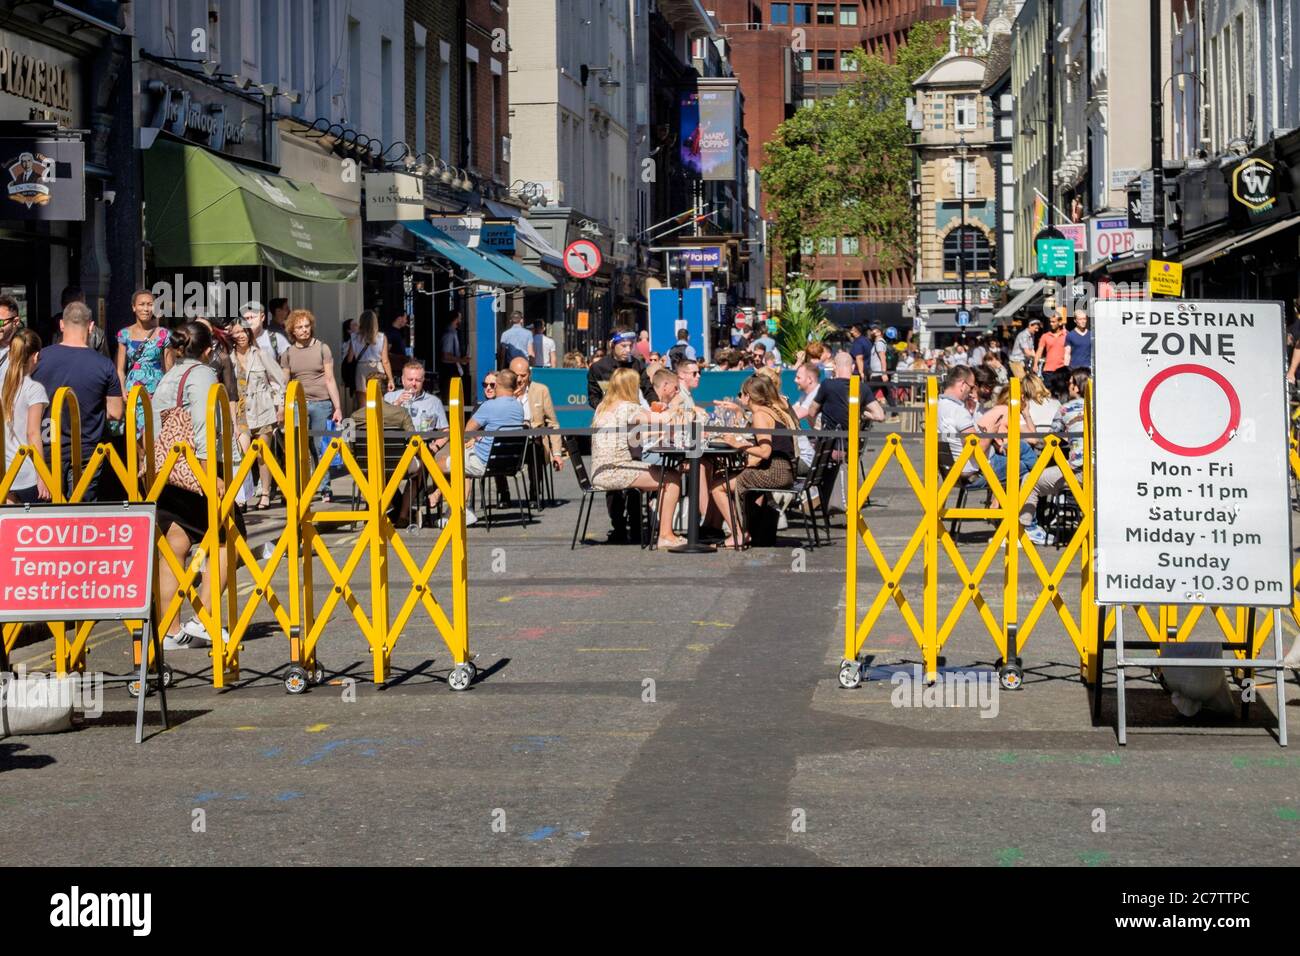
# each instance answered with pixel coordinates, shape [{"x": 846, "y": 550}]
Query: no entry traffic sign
[
  {"x": 76, "y": 562},
  {"x": 1192, "y": 500}
]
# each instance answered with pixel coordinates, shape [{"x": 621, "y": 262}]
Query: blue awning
[
  {"x": 526, "y": 277},
  {"x": 472, "y": 262}
]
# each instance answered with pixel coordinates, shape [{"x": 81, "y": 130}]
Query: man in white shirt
[
  {"x": 955, "y": 418},
  {"x": 547, "y": 357},
  {"x": 427, "y": 411},
  {"x": 807, "y": 378},
  {"x": 254, "y": 314}
]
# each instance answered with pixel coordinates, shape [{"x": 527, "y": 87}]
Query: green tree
[{"x": 843, "y": 166}]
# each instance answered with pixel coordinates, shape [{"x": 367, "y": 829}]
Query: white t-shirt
[
  {"x": 1023, "y": 348},
  {"x": 1042, "y": 413},
  {"x": 954, "y": 419},
  {"x": 805, "y": 444},
  {"x": 878, "y": 355},
  {"x": 372, "y": 352},
  {"x": 30, "y": 393},
  {"x": 274, "y": 343}
]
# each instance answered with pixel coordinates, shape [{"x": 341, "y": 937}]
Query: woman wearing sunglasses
[{"x": 490, "y": 385}]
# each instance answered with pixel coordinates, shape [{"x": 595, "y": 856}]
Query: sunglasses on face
[{"x": 489, "y": 384}]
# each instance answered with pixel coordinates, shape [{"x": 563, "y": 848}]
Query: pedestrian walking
[
  {"x": 141, "y": 350},
  {"x": 369, "y": 348},
  {"x": 23, "y": 402},
  {"x": 452, "y": 360},
  {"x": 308, "y": 360},
  {"x": 260, "y": 407}
]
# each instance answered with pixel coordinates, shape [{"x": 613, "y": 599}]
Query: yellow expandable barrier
[
  {"x": 298, "y": 550},
  {"x": 1008, "y": 553}
]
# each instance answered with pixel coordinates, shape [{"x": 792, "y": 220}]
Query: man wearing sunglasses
[{"x": 8, "y": 326}]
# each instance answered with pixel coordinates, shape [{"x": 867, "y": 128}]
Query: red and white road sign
[
  {"x": 582, "y": 258},
  {"x": 76, "y": 562},
  {"x": 1192, "y": 457}
]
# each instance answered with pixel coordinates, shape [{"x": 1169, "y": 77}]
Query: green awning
[
  {"x": 202, "y": 210},
  {"x": 528, "y": 278},
  {"x": 468, "y": 260}
]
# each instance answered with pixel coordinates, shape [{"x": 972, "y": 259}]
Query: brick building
[{"x": 781, "y": 70}]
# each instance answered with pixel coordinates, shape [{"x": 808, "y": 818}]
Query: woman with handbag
[
  {"x": 180, "y": 418},
  {"x": 368, "y": 347},
  {"x": 261, "y": 399}
]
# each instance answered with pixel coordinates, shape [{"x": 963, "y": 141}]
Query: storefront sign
[
  {"x": 462, "y": 229},
  {"x": 1077, "y": 233},
  {"x": 38, "y": 82},
  {"x": 708, "y": 257},
  {"x": 391, "y": 197},
  {"x": 1115, "y": 237},
  {"x": 196, "y": 111},
  {"x": 1254, "y": 185},
  {"x": 498, "y": 237},
  {"x": 43, "y": 179},
  {"x": 1191, "y": 508}
]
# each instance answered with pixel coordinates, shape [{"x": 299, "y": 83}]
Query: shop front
[
  {"x": 942, "y": 318},
  {"x": 65, "y": 158}
]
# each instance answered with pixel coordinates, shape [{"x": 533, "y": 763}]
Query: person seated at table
[
  {"x": 501, "y": 410},
  {"x": 997, "y": 421},
  {"x": 426, "y": 410},
  {"x": 769, "y": 461},
  {"x": 396, "y": 419},
  {"x": 613, "y": 466}
]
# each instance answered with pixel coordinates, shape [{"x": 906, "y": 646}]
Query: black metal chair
[
  {"x": 505, "y": 460},
  {"x": 395, "y": 444},
  {"x": 541, "y": 476},
  {"x": 1060, "y": 516},
  {"x": 584, "y": 485},
  {"x": 821, "y": 477},
  {"x": 965, "y": 485}
]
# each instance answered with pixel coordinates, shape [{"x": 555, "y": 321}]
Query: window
[
  {"x": 971, "y": 244},
  {"x": 851, "y": 290},
  {"x": 386, "y": 87},
  {"x": 848, "y": 15},
  {"x": 803, "y": 13},
  {"x": 354, "y": 73},
  {"x": 826, "y": 14},
  {"x": 780, "y": 14},
  {"x": 825, "y": 59},
  {"x": 849, "y": 245},
  {"x": 494, "y": 144},
  {"x": 471, "y": 105},
  {"x": 826, "y": 246},
  {"x": 964, "y": 112},
  {"x": 806, "y": 102},
  {"x": 964, "y": 177},
  {"x": 806, "y": 61},
  {"x": 421, "y": 92},
  {"x": 444, "y": 106},
  {"x": 847, "y": 63},
  {"x": 805, "y": 247}
]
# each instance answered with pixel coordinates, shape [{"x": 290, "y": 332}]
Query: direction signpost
[{"x": 1192, "y": 497}]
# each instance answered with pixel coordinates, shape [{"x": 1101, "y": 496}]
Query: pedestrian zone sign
[{"x": 1192, "y": 499}]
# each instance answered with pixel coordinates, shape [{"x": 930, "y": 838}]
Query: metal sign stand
[
  {"x": 1274, "y": 663},
  {"x": 149, "y": 638}
]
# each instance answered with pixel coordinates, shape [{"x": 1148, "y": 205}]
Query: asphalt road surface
[{"x": 644, "y": 707}]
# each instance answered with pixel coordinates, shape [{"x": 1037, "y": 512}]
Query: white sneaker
[
  {"x": 1036, "y": 534},
  {"x": 470, "y": 518},
  {"x": 183, "y": 642},
  {"x": 196, "y": 629}
]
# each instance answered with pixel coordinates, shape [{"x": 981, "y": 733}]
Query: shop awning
[
  {"x": 523, "y": 275},
  {"x": 1225, "y": 246},
  {"x": 1021, "y": 301},
  {"x": 202, "y": 210},
  {"x": 468, "y": 260},
  {"x": 531, "y": 237}
]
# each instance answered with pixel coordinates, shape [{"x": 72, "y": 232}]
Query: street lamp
[{"x": 961, "y": 231}]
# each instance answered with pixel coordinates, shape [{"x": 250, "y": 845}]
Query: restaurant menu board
[{"x": 1192, "y": 499}]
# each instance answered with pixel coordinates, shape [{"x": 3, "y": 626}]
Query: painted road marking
[
  {"x": 612, "y": 650},
  {"x": 316, "y": 728}
]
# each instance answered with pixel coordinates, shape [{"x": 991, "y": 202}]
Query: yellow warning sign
[{"x": 1166, "y": 278}]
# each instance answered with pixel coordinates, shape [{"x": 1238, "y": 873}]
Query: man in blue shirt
[
  {"x": 92, "y": 378},
  {"x": 1078, "y": 343},
  {"x": 505, "y": 411},
  {"x": 860, "y": 351},
  {"x": 515, "y": 340}
]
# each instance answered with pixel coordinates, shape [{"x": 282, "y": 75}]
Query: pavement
[{"x": 644, "y": 707}]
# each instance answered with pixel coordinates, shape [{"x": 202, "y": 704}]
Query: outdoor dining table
[{"x": 693, "y": 454}]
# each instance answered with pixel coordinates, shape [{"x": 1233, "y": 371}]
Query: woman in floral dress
[{"x": 141, "y": 350}]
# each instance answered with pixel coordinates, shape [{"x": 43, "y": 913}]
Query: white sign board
[
  {"x": 392, "y": 197},
  {"x": 1148, "y": 196},
  {"x": 1192, "y": 500},
  {"x": 462, "y": 229},
  {"x": 1120, "y": 178},
  {"x": 1113, "y": 237}
]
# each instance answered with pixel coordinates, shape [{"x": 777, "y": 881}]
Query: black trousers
[{"x": 624, "y": 511}]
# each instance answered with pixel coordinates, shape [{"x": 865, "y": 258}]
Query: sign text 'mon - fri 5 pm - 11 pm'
[{"x": 1192, "y": 500}]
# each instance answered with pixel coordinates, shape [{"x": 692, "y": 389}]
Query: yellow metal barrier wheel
[
  {"x": 296, "y": 679},
  {"x": 1010, "y": 676},
  {"x": 461, "y": 676},
  {"x": 850, "y": 674},
  {"x": 317, "y": 675}
]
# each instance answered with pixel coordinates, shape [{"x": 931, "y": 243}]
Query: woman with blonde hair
[
  {"x": 1038, "y": 402},
  {"x": 23, "y": 402},
  {"x": 613, "y": 466},
  {"x": 769, "y": 462},
  {"x": 368, "y": 347}
]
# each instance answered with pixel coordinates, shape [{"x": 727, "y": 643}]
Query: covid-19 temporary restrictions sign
[
  {"x": 76, "y": 562},
  {"x": 1192, "y": 502}
]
